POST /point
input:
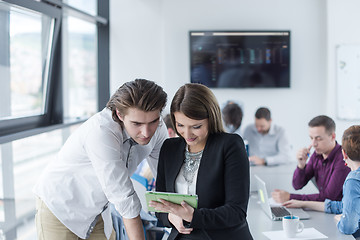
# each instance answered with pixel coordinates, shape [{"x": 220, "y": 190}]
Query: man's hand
[
  {"x": 314, "y": 205},
  {"x": 256, "y": 160},
  {"x": 280, "y": 196},
  {"x": 294, "y": 203},
  {"x": 302, "y": 155}
]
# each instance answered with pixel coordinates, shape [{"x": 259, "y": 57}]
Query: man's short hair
[
  {"x": 232, "y": 114},
  {"x": 142, "y": 94},
  {"x": 168, "y": 123},
  {"x": 323, "y": 121},
  {"x": 263, "y": 112}
]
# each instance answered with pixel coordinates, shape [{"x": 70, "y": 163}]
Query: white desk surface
[{"x": 281, "y": 177}]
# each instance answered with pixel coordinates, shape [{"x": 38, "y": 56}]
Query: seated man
[
  {"x": 325, "y": 164},
  {"x": 232, "y": 116},
  {"x": 268, "y": 144}
]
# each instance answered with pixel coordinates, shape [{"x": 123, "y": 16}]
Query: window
[
  {"x": 51, "y": 76},
  {"x": 49, "y": 84},
  {"x": 24, "y": 66},
  {"x": 27, "y": 44},
  {"x": 88, "y": 6},
  {"x": 80, "y": 72}
]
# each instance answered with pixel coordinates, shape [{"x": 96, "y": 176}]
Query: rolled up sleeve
[{"x": 335, "y": 207}]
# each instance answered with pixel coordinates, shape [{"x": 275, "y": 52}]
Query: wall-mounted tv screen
[{"x": 240, "y": 59}]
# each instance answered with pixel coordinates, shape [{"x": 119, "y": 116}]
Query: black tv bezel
[{"x": 243, "y": 31}]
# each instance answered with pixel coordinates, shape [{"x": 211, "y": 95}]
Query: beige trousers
[{"x": 48, "y": 227}]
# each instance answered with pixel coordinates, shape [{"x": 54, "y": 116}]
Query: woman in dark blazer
[{"x": 205, "y": 161}]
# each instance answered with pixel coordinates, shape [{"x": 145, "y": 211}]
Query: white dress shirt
[
  {"x": 181, "y": 186},
  {"x": 274, "y": 146},
  {"x": 90, "y": 171}
]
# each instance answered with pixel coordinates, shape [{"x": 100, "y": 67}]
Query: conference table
[{"x": 281, "y": 177}]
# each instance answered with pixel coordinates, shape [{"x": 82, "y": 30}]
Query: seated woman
[
  {"x": 205, "y": 161},
  {"x": 348, "y": 209}
]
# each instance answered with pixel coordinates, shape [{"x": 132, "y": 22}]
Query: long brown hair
[{"x": 196, "y": 101}]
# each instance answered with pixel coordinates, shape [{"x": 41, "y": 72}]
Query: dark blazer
[{"x": 222, "y": 186}]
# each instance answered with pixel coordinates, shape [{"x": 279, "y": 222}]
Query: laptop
[{"x": 276, "y": 213}]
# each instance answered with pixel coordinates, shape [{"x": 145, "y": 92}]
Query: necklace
[{"x": 191, "y": 165}]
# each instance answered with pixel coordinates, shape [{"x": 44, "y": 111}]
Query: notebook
[{"x": 276, "y": 212}]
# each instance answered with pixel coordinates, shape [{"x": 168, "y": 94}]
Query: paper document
[{"x": 307, "y": 233}]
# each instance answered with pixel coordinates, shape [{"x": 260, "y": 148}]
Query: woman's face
[{"x": 195, "y": 132}]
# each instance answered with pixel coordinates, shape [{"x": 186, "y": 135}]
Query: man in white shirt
[
  {"x": 94, "y": 167},
  {"x": 268, "y": 144}
]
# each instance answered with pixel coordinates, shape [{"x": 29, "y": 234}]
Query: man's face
[
  {"x": 322, "y": 141},
  {"x": 140, "y": 125},
  {"x": 262, "y": 125}
]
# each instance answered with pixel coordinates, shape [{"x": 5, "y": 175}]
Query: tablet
[{"x": 177, "y": 198}]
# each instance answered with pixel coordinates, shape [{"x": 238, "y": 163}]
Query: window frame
[{"x": 53, "y": 117}]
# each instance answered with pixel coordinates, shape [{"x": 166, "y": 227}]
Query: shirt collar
[
  {"x": 126, "y": 136},
  {"x": 334, "y": 151}
]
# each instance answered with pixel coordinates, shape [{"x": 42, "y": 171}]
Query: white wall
[
  {"x": 343, "y": 28},
  {"x": 168, "y": 50},
  {"x": 135, "y": 41}
]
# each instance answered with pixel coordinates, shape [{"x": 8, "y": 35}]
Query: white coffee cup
[{"x": 292, "y": 226}]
